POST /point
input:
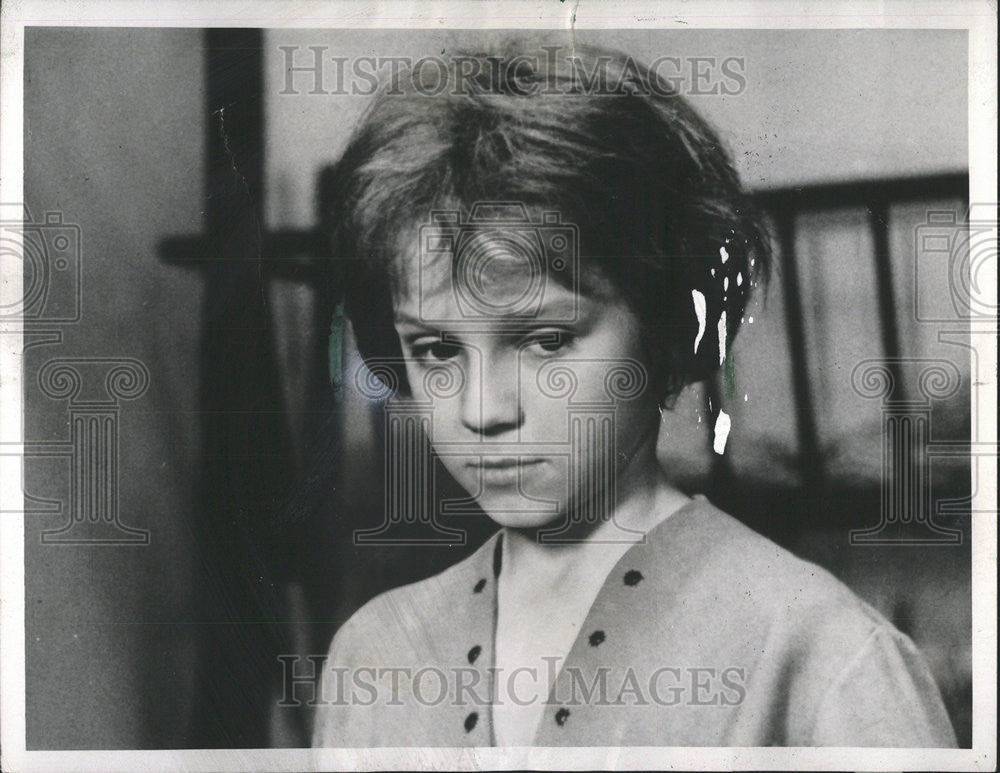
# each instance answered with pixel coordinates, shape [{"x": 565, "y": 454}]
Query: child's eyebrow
[
  {"x": 559, "y": 311},
  {"x": 403, "y": 318},
  {"x": 410, "y": 330}
]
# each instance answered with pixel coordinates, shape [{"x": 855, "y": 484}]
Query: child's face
[{"x": 513, "y": 432}]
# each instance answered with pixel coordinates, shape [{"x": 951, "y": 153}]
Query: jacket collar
[{"x": 635, "y": 581}]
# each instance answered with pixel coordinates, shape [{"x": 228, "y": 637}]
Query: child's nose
[{"x": 490, "y": 403}]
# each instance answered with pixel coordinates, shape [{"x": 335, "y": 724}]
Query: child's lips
[
  {"x": 503, "y": 462},
  {"x": 503, "y": 470}
]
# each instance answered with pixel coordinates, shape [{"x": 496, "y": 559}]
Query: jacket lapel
[
  {"x": 600, "y": 668},
  {"x": 465, "y": 651}
]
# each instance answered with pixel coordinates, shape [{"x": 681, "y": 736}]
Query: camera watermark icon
[
  {"x": 908, "y": 508},
  {"x": 956, "y": 266},
  {"x": 94, "y": 389},
  {"x": 501, "y": 264},
  {"x": 48, "y": 253}
]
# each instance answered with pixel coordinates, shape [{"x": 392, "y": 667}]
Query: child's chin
[{"x": 514, "y": 520}]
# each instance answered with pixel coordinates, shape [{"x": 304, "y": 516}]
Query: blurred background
[{"x": 187, "y": 527}]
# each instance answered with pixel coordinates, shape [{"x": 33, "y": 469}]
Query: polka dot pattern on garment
[
  {"x": 596, "y": 638},
  {"x": 561, "y": 716},
  {"x": 633, "y": 577},
  {"x": 470, "y": 721},
  {"x": 479, "y": 586},
  {"x": 474, "y": 653}
]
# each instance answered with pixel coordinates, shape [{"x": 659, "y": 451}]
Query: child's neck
[{"x": 645, "y": 499}]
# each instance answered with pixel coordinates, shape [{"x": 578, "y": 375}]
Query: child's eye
[
  {"x": 436, "y": 350},
  {"x": 551, "y": 341}
]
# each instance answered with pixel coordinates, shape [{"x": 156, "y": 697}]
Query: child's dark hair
[{"x": 660, "y": 208}]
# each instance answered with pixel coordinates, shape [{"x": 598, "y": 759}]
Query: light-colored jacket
[{"x": 706, "y": 634}]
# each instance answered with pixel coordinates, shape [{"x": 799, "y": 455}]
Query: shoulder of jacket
[{"x": 731, "y": 561}]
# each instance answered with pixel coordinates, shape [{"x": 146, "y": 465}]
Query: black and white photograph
[{"x": 512, "y": 385}]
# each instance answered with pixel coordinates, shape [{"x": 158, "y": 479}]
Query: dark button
[
  {"x": 633, "y": 577},
  {"x": 597, "y": 637},
  {"x": 479, "y": 586},
  {"x": 470, "y": 721},
  {"x": 561, "y": 716},
  {"x": 474, "y": 653}
]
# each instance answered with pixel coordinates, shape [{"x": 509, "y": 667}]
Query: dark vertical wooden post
[
  {"x": 878, "y": 222},
  {"x": 810, "y": 461},
  {"x": 245, "y": 443}
]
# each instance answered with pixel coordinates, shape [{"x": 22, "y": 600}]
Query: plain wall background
[{"x": 114, "y": 141}]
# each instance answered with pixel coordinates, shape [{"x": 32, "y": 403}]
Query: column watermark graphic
[
  {"x": 409, "y": 487},
  {"x": 907, "y": 449},
  {"x": 593, "y": 450},
  {"x": 94, "y": 389}
]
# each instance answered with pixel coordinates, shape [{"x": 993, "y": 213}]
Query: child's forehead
[
  {"x": 493, "y": 271},
  {"x": 496, "y": 285},
  {"x": 489, "y": 263}
]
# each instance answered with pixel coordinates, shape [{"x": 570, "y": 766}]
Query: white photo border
[{"x": 979, "y": 18}]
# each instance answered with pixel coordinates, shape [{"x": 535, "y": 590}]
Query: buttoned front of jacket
[{"x": 705, "y": 634}]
